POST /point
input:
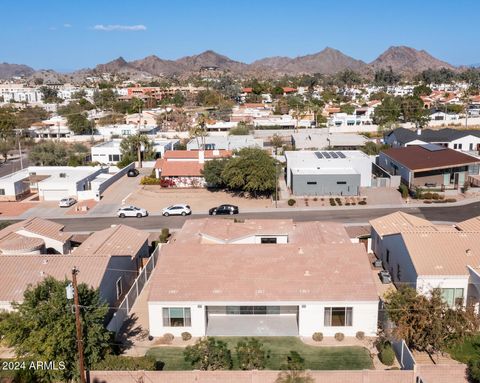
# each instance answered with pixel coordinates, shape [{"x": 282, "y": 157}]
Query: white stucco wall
[
  {"x": 425, "y": 283},
  {"x": 62, "y": 248}
]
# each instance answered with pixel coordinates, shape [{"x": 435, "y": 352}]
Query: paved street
[{"x": 154, "y": 223}]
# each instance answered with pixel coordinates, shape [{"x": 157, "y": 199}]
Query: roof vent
[
  {"x": 300, "y": 251},
  {"x": 42, "y": 273},
  {"x": 63, "y": 175},
  {"x": 468, "y": 252},
  {"x": 216, "y": 291},
  {"x": 439, "y": 267},
  {"x": 172, "y": 291},
  {"x": 307, "y": 273},
  {"x": 45, "y": 261}
]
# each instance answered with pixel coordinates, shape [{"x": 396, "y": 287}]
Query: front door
[{"x": 456, "y": 180}]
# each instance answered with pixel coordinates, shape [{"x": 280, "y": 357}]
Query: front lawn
[
  {"x": 466, "y": 350},
  {"x": 316, "y": 358}
]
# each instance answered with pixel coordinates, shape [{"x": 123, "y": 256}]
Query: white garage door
[{"x": 55, "y": 195}]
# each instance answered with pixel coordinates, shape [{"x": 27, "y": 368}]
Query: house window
[
  {"x": 455, "y": 146},
  {"x": 452, "y": 297},
  {"x": 388, "y": 256},
  {"x": 338, "y": 316},
  {"x": 399, "y": 274},
  {"x": 2, "y": 191},
  {"x": 459, "y": 146},
  {"x": 268, "y": 240},
  {"x": 311, "y": 182},
  {"x": 470, "y": 147},
  {"x": 119, "y": 287},
  {"x": 176, "y": 317},
  {"x": 341, "y": 182},
  {"x": 114, "y": 157}
]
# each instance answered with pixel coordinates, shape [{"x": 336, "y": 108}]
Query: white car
[
  {"x": 67, "y": 202},
  {"x": 132, "y": 211},
  {"x": 180, "y": 209}
]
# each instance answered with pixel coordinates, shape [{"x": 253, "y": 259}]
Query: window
[
  {"x": 453, "y": 297},
  {"x": 252, "y": 310},
  {"x": 338, "y": 316},
  {"x": 388, "y": 256},
  {"x": 114, "y": 157},
  {"x": 176, "y": 317},
  {"x": 311, "y": 182},
  {"x": 470, "y": 147},
  {"x": 459, "y": 146},
  {"x": 119, "y": 287},
  {"x": 399, "y": 274},
  {"x": 341, "y": 182},
  {"x": 268, "y": 240},
  {"x": 455, "y": 146},
  {"x": 2, "y": 191}
]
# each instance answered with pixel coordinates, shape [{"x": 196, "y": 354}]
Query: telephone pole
[{"x": 79, "y": 326}]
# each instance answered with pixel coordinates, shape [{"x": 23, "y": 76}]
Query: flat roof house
[
  {"x": 426, "y": 256},
  {"x": 262, "y": 277},
  {"x": 226, "y": 142},
  {"x": 429, "y": 165},
  {"x": 313, "y": 139},
  {"x": 328, "y": 172}
]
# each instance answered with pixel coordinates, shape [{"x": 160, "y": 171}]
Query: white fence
[
  {"x": 404, "y": 355},
  {"x": 126, "y": 305}
]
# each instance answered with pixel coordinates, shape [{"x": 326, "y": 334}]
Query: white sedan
[
  {"x": 180, "y": 209},
  {"x": 67, "y": 202},
  {"x": 132, "y": 211}
]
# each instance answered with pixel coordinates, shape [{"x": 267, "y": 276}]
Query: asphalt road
[
  {"x": 155, "y": 223},
  {"x": 12, "y": 166}
]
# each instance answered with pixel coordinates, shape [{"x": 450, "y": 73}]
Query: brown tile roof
[
  {"x": 443, "y": 373},
  {"x": 38, "y": 226},
  {"x": 18, "y": 243},
  {"x": 443, "y": 253},
  {"x": 193, "y": 154},
  {"x": 17, "y": 272},
  {"x": 472, "y": 224},
  {"x": 119, "y": 240},
  {"x": 313, "y": 266},
  {"x": 402, "y": 222},
  {"x": 265, "y": 376},
  {"x": 417, "y": 158}
]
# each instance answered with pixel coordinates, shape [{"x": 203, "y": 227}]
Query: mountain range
[{"x": 401, "y": 59}]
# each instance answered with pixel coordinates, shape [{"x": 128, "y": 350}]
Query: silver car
[{"x": 67, "y": 202}]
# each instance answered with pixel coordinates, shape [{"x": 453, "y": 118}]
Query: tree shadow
[{"x": 129, "y": 333}]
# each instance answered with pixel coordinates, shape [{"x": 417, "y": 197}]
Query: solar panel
[
  {"x": 341, "y": 155},
  {"x": 334, "y": 155},
  {"x": 326, "y": 155},
  {"x": 433, "y": 147},
  {"x": 319, "y": 155}
]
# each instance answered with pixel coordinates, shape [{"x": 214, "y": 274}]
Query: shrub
[
  {"x": 347, "y": 204},
  {"x": 450, "y": 200},
  {"x": 360, "y": 335},
  {"x": 386, "y": 353},
  {"x": 291, "y": 202},
  {"x": 403, "y": 189},
  {"x": 441, "y": 196},
  {"x": 317, "y": 336},
  {"x": 126, "y": 363},
  {"x": 165, "y": 183},
  {"x": 168, "y": 338},
  {"x": 337, "y": 200},
  {"x": 322, "y": 199},
  {"x": 251, "y": 354},
  {"x": 353, "y": 203},
  {"x": 332, "y": 203},
  {"x": 435, "y": 196},
  {"x": 149, "y": 181},
  {"x": 362, "y": 202},
  {"x": 315, "y": 199},
  {"x": 186, "y": 336},
  {"x": 164, "y": 235},
  {"x": 339, "y": 336}
]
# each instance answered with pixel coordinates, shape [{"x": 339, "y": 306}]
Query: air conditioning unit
[{"x": 63, "y": 175}]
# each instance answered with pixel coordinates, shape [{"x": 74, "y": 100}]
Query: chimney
[{"x": 201, "y": 156}]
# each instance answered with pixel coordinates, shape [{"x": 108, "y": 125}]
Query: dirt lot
[
  {"x": 14, "y": 209},
  {"x": 154, "y": 199}
]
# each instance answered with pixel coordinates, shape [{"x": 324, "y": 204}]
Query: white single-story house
[
  {"x": 427, "y": 256},
  {"x": 230, "y": 142},
  {"x": 123, "y": 130},
  {"x": 262, "y": 278},
  {"x": 328, "y": 172},
  {"x": 313, "y": 139}
]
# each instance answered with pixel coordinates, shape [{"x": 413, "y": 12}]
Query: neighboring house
[
  {"x": 183, "y": 168},
  {"x": 109, "y": 152},
  {"x": 221, "y": 126},
  {"x": 313, "y": 139},
  {"x": 53, "y": 183},
  {"x": 425, "y": 256},
  {"x": 222, "y": 277},
  {"x": 328, "y": 172},
  {"x": 108, "y": 260},
  {"x": 442, "y": 116},
  {"x": 124, "y": 130},
  {"x": 462, "y": 140},
  {"x": 226, "y": 142},
  {"x": 429, "y": 165},
  {"x": 55, "y": 127}
]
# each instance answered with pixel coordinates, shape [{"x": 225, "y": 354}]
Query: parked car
[
  {"x": 385, "y": 276},
  {"x": 132, "y": 211},
  {"x": 67, "y": 202},
  {"x": 180, "y": 209},
  {"x": 132, "y": 173},
  {"x": 223, "y": 209}
]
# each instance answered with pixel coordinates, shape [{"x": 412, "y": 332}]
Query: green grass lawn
[
  {"x": 466, "y": 350},
  {"x": 316, "y": 358}
]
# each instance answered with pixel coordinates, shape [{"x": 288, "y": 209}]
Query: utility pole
[
  {"x": 20, "y": 151},
  {"x": 276, "y": 183},
  {"x": 79, "y": 326}
]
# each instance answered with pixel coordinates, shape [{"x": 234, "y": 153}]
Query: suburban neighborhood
[{"x": 267, "y": 215}]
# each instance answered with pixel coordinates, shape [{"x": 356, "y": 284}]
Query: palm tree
[
  {"x": 200, "y": 131},
  {"x": 134, "y": 144}
]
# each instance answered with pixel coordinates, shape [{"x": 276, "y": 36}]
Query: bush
[
  {"x": 317, "y": 336},
  {"x": 165, "y": 183},
  {"x": 127, "y": 363},
  {"x": 435, "y": 196},
  {"x": 291, "y": 202},
  {"x": 386, "y": 353},
  {"x": 474, "y": 370},
  {"x": 450, "y": 200},
  {"x": 426, "y": 195},
  {"x": 163, "y": 238},
  {"x": 149, "y": 181},
  {"x": 168, "y": 338},
  {"x": 360, "y": 335},
  {"x": 315, "y": 199},
  {"x": 186, "y": 336},
  {"x": 441, "y": 196},
  {"x": 403, "y": 189},
  {"x": 347, "y": 204},
  {"x": 362, "y": 202},
  {"x": 339, "y": 336},
  {"x": 337, "y": 200}
]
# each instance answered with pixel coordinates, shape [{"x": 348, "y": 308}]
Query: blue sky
[{"x": 67, "y": 35}]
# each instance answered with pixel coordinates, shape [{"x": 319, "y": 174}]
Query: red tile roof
[
  {"x": 180, "y": 168},
  {"x": 417, "y": 158}
]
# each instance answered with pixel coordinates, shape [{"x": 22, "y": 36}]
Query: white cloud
[
  {"x": 66, "y": 25},
  {"x": 116, "y": 27}
]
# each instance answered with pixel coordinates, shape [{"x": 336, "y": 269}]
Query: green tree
[
  {"x": 7, "y": 126},
  {"x": 105, "y": 99},
  {"x": 49, "y": 95},
  {"x": 373, "y": 149},
  {"x": 385, "y": 77},
  {"x": 251, "y": 354},
  {"x": 42, "y": 327},
  {"x": 414, "y": 111},
  {"x": 250, "y": 171},
  {"x": 474, "y": 370},
  {"x": 422, "y": 90},
  {"x": 137, "y": 146},
  {"x": 49, "y": 153},
  {"x": 136, "y": 105},
  {"x": 388, "y": 112},
  {"x": 212, "y": 171},
  {"x": 25, "y": 117},
  {"x": 276, "y": 142},
  {"x": 209, "y": 354},
  {"x": 80, "y": 124},
  {"x": 347, "y": 108},
  {"x": 242, "y": 129}
]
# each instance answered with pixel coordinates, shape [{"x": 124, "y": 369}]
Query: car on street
[
  {"x": 132, "y": 173},
  {"x": 385, "y": 276},
  {"x": 132, "y": 211},
  {"x": 223, "y": 209},
  {"x": 179, "y": 209},
  {"x": 67, "y": 202}
]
